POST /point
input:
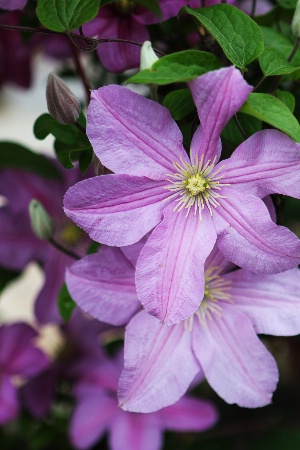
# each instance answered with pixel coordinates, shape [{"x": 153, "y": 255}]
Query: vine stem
[
  {"x": 81, "y": 72},
  {"x": 63, "y": 249}
]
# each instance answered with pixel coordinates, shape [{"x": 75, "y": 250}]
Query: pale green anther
[
  {"x": 148, "y": 57},
  {"x": 62, "y": 104},
  {"x": 296, "y": 21},
  {"x": 41, "y": 223}
]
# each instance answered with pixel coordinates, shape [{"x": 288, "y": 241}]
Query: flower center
[
  {"x": 195, "y": 186},
  {"x": 216, "y": 291},
  {"x": 70, "y": 234},
  {"x": 124, "y": 7}
]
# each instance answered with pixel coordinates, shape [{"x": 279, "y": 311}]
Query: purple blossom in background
[
  {"x": 12, "y": 4},
  {"x": 220, "y": 338},
  {"x": 192, "y": 203},
  {"x": 18, "y": 244},
  {"x": 78, "y": 352},
  {"x": 126, "y": 20},
  {"x": 15, "y": 56},
  {"x": 97, "y": 412},
  {"x": 18, "y": 357}
]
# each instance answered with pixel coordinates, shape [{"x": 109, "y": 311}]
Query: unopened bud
[
  {"x": 148, "y": 57},
  {"x": 41, "y": 223},
  {"x": 62, "y": 104},
  {"x": 296, "y": 21}
]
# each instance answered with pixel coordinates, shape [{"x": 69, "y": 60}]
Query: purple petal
[
  {"x": 218, "y": 95},
  {"x": 103, "y": 286},
  {"x": 170, "y": 269},
  {"x": 266, "y": 163},
  {"x": 248, "y": 237},
  {"x": 38, "y": 394},
  {"x": 9, "y": 405},
  {"x": 17, "y": 352},
  {"x": 46, "y": 303},
  {"x": 154, "y": 375},
  {"x": 132, "y": 252},
  {"x": 236, "y": 364},
  {"x": 91, "y": 418},
  {"x": 133, "y": 135},
  {"x": 139, "y": 431},
  {"x": 12, "y": 4},
  {"x": 169, "y": 8},
  {"x": 116, "y": 209},
  {"x": 189, "y": 414},
  {"x": 271, "y": 301}
]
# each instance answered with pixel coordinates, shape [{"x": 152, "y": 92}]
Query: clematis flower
[
  {"x": 126, "y": 20},
  {"x": 191, "y": 203},
  {"x": 220, "y": 338},
  {"x": 74, "y": 349},
  {"x": 19, "y": 358},
  {"x": 12, "y": 4},
  {"x": 97, "y": 412},
  {"x": 19, "y": 245}
]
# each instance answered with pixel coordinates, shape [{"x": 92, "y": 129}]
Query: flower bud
[
  {"x": 148, "y": 57},
  {"x": 62, "y": 103},
  {"x": 296, "y": 21},
  {"x": 41, "y": 223}
]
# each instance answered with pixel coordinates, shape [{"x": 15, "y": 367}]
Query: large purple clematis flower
[
  {"x": 97, "y": 412},
  {"x": 126, "y": 20},
  {"x": 18, "y": 244},
  {"x": 20, "y": 357},
  {"x": 220, "y": 338},
  {"x": 192, "y": 202}
]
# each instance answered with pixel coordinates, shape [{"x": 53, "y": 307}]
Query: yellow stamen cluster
[
  {"x": 124, "y": 7},
  {"x": 70, "y": 234},
  {"x": 195, "y": 186}
]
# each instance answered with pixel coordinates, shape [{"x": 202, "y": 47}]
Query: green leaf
[
  {"x": 177, "y": 67},
  {"x": 66, "y": 154},
  {"x": 66, "y": 15},
  {"x": 287, "y": 4},
  {"x": 152, "y": 5},
  {"x": 16, "y": 156},
  {"x": 238, "y": 35},
  {"x": 272, "y": 62},
  {"x": 279, "y": 440},
  {"x": 65, "y": 303},
  {"x": 180, "y": 103},
  {"x": 85, "y": 160},
  {"x": 250, "y": 125},
  {"x": 272, "y": 111},
  {"x": 45, "y": 125},
  {"x": 287, "y": 98}
]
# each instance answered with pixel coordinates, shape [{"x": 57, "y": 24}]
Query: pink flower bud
[{"x": 62, "y": 104}]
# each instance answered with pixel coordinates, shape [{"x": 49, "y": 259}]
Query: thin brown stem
[
  {"x": 63, "y": 249},
  {"x": 240, "y": 126},
  {"x": 252, "y": 14},
  {"x": 80, "y": 127},
  {"x": 81, "y": 72}
]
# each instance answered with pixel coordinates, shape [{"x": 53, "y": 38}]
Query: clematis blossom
[
  {"x": 19, "y": 357},
  {"x": 19, "y": 245},
  {"x": 220, "y": 338},
  {"x": 97, "y": 411},
  {"x": 189, "y": 203}
]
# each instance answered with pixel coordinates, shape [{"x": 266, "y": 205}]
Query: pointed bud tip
[
  {"x": 62, "y": 104},
  {"x": 148, "y": 56},
  {"x": 41, "y": 223},
  {"x": 296, "y": 21}
]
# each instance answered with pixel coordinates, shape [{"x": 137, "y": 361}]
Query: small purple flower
[
  {"x": 19, "y": 245},
  {"x": 191, "y": 203},
  {"x": 12, "y": 4},
  {"x": 126, "y": 20},
  {"x": 220, "y": 338},
  {"x": 18, "y": 357},
  {"x": 97, "y": 412}
]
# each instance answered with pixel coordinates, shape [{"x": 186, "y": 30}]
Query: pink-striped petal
[
  {"x": 102, "y": 285},
  {"x": 218, "y": 95},
  {"x": 170, "y": 269},
  {"x": 189, "y": 414},
  {"x": 133, "y": 135},
  {"x": 266, "y": 163},
  {"x": 154, "y": 374},
  {"x": 116, "y": 209},
  {"x": 271, "y": 302},
  {"x": 236, "y": 364},
  {"x": 248, "y": 237},
  {"x": 91, "y": 419},
  {"x": 138, "y": 431}
]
